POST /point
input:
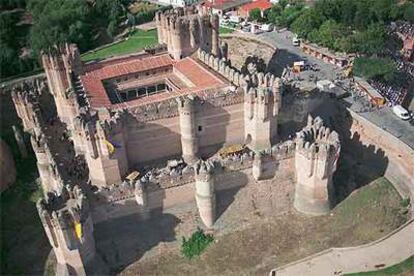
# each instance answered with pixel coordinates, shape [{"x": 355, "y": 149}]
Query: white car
[{"x": 401, "y": 112}]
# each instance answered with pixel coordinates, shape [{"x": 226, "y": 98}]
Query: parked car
[
  {"x": 295, "y": 41},
  {"x": 267, "y": 27},
  {"x": 401, "y": 112}
]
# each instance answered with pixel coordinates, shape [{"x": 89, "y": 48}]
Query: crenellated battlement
[
  {"x": 68, "y": 225},
  {"x": 184, "y": 30},
  {"x": 204, "y": 170},
  {"x": 317, "y": 153},
  {"x": 62, "y": 57},
  {"x": 316, "y": 139}
]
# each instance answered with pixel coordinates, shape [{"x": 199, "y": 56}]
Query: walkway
[{"x": 392, "y": 249}]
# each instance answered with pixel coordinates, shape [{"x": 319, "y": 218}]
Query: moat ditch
[{"x": 259, "y": 241}]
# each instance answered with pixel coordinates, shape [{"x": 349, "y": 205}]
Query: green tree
[
  {"x": 362, "y": 15},
  {"x": 307, "y": 22},
  {"x": 330, "y": 9},
  {"x": 409, "y": 12},
  {"x": 255, "y": 14},
  {"x": 374, "y": 68},
  {"x": 329, "y": 32},
  {"x": 58, "y": 21},
  {"x": 381, "y": 9},
  {"x": 372, "y": 41}
]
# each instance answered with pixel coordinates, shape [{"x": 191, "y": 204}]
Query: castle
[{"x": 185, "y": 104}]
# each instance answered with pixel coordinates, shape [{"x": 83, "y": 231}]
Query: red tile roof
[
  {"x": 92, "y": 79},
  {"x": 259, "y": 4},
  {"x": 196, "y": 73},
  {"x": 409, "y": 44},
  {"x": 189, "y": 71}
]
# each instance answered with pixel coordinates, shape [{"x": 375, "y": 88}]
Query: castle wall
[
  {"x": 236, "y": 175},
  {"x": 399, "y": 156},
  {"x": 220, "y": 125},
  {"x": 153, "y": 140}
]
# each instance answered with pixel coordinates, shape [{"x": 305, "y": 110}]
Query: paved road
[
  {"x": 389, "y": 250},
  {"x": 383, "y": 118},
  {"x": 338, "y": 261}
]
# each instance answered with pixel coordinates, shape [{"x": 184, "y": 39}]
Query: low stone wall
[{"x": 400, "y": 168}]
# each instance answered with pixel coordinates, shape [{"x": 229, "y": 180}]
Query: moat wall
[
  {"x": 161, "y": 199},
  {"x": 400, "y": 156}
]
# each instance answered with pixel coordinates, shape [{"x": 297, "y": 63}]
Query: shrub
[{"x": 197, "y": 243}]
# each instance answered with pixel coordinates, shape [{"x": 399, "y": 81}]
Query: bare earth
[
  {"x": 241, "y": 50},
  {"x": 263, "y": 241}
]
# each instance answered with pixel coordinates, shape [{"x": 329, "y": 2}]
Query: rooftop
[
  {"x": 225, "y": 4},
  {"x": 188, "y": 75},
  {"x": 259, "y": 4}
]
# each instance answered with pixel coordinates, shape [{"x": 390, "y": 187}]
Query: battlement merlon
[
  {"x": 62, "y": 57},
  {"x": 68, "y": 224}
]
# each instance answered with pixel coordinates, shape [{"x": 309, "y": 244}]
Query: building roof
[
  {"x": 192, "y": 75},
  {"x": 225, "y": 4},
  {"x": 409, "y": 44},
  {"x": 92, "y": 79},
  {"x": 259, "y": 4}
]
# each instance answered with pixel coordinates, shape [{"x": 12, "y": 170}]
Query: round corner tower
[
  {"x": 189, "y": 139},
  {"x": 317, "y": 152},
  {"x": 205, "y": 194}
]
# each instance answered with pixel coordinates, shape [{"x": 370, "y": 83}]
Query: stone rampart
[
  {"x": 400, "y": 156},
  {"x": 174, "y": 184}
]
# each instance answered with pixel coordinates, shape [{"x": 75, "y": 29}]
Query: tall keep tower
[
  {"x": 61, "y": 64},
  {"x": 184, "y": 31},
  {"x": 262, "y": 101},
  {"x": 317, "y": 152},
  {"x": 68, "y": 225}
]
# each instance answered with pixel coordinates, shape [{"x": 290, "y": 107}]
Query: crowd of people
[
  {"x": 394, "y": 95},
  {"x": 406, "y": 67},
  {"x": 403, "y": 27}
]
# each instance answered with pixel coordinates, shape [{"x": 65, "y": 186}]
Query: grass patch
[
  {"x": 137, "y": 41},
  {"x": 196, "y": 244},
  {"x": 224, "y": 30},
  {"x": 398, "y": 269}
]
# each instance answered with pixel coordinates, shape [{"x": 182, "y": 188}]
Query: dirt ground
[
  {"x": 242, "y": 50},
  {"x": 269, "y": 241}
]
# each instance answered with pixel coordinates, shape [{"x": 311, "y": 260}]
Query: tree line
[
  {"x": 88, "y": 23},
  {"x": 351, "y": 26}
]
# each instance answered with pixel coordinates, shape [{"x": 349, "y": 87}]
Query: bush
[
  {"x": 378, "y": 68},
  {"x": 196, "y": 244}
]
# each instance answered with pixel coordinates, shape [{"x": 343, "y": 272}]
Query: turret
[
  {"x": 104, "y": 147},
  {"x": 214, "y": 21},
  {"x": 141, "y": 197},
  {"x": 317, "y": 152},
  {"x": 264, "y": 165},
  {"x": 205, "y": 195},
  {"x": 189, "y": 139},
  {"x": 61, "y": 64},
  {"x": 261, "y": 109},
  {"x": 68, "y": 225}
]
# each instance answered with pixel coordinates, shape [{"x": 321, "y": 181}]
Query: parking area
[{"x": 383, "y": 117}]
